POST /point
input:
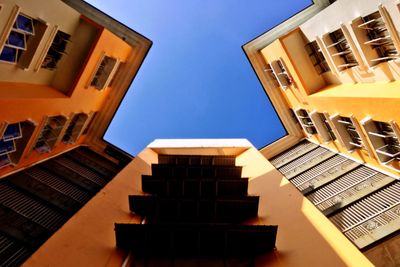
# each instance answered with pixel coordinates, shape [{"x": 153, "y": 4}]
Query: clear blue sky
[{"x": 196, "y": 81}]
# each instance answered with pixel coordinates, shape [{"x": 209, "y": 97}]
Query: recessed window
[
  {"x": 317, "y": 58},
  {"x": 50, "y": 134},
  {"x": 13, "y": 131},
  {"x": 16, "y": 42},
  {"x": 14, "y": 138},
  {"x": 339, "y": 49},
  {"x": 324, "y": 119},
  {"x": 378, "y": 38},
  {"x": 322, "y": 126},
  {"x": 384, "y": 140},
  {"x": 75, "y": 128},
  {"x": 352, "y": 132},
  {"x": 281, "y": 73},
  {"x": 104, "y": 73},
  {"x": 270, "y": 75},
  {"x": 305, "y": 121},
  {"x": 56, "y": 50}
]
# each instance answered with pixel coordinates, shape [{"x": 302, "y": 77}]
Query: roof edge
[{"x": 121, "y": 30}]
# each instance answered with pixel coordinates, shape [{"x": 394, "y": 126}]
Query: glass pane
[
  {"x": 9, "y": 54},
  {"x": 12, "y": 131},
  {"x": 16, "y": 39},
  {"x": 6, "y": 146},
  {"x": 24, "y": 23}
]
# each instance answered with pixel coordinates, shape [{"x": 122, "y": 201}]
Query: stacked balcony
[{"x": 196, "y": 207}]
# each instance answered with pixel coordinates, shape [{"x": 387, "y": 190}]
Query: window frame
[{"x": 18, "y": 49}]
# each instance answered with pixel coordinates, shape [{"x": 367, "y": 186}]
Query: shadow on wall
[{"x": 305, "y": 236}]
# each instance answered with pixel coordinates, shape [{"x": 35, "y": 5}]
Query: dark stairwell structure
[
  {"x": 194, "y": 207},
  {"x": 36, "y": 202}
]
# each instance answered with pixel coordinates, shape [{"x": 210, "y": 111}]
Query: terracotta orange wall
[{"x": 35, "y": 101}]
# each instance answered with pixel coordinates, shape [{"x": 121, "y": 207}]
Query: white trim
[
  {"x": 362, "y": 136},
  {"x": 89, "y": 81},
  {"x": 200, "y": 143},
  {"x": 9, "y": 25},
  {"x": 387, "y": 20},
  {"x": 320, "y": 126},
  {"x": 342, "y": 134}
]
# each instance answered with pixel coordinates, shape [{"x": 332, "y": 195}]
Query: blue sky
[{"x": 196, "y": 81}]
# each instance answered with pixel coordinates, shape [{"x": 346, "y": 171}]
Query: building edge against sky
[{"x": 341, "y": 82}]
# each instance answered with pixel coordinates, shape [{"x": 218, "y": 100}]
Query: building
[
  {"x": 303, "y": 231},
  {"x": 330, "y": 185},
  {"x": 331, "y": 72},
  {"x": 58, "y": 64},
  {"x": 64, "y": 68}
]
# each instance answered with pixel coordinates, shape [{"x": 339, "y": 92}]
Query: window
[
  {"x": 322, "y": 126},
  {"x": 378, "y": 38},
  {"x": 104, "y": 73},
  {"x": 350, "y": 133},
  {"x": 384, "y": 139},
  {"x": 340, "y": 50},
  {"x": 6, "y": 147},
  {"x": 50, "y": 133},
  {"x": 75, "y": 128},
  {"x": 56, "y": 50},
  {"x": 270, "y": 75},
  {"x": 14, "y": 138},
  {"x": 317, "y": 58},
  {"x": 11, "y": 132},
  {"x": 305, "y": 121},
  {"x": 324, "y": 119},
  {"x": 16, "y": 42},
  {"x": 281, "y": 74}
]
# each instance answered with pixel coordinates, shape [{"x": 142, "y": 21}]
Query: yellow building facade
[{"x": 331, "y": 72}]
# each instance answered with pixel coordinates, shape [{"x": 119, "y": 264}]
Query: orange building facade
[{"x": 62, "y": 70}]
